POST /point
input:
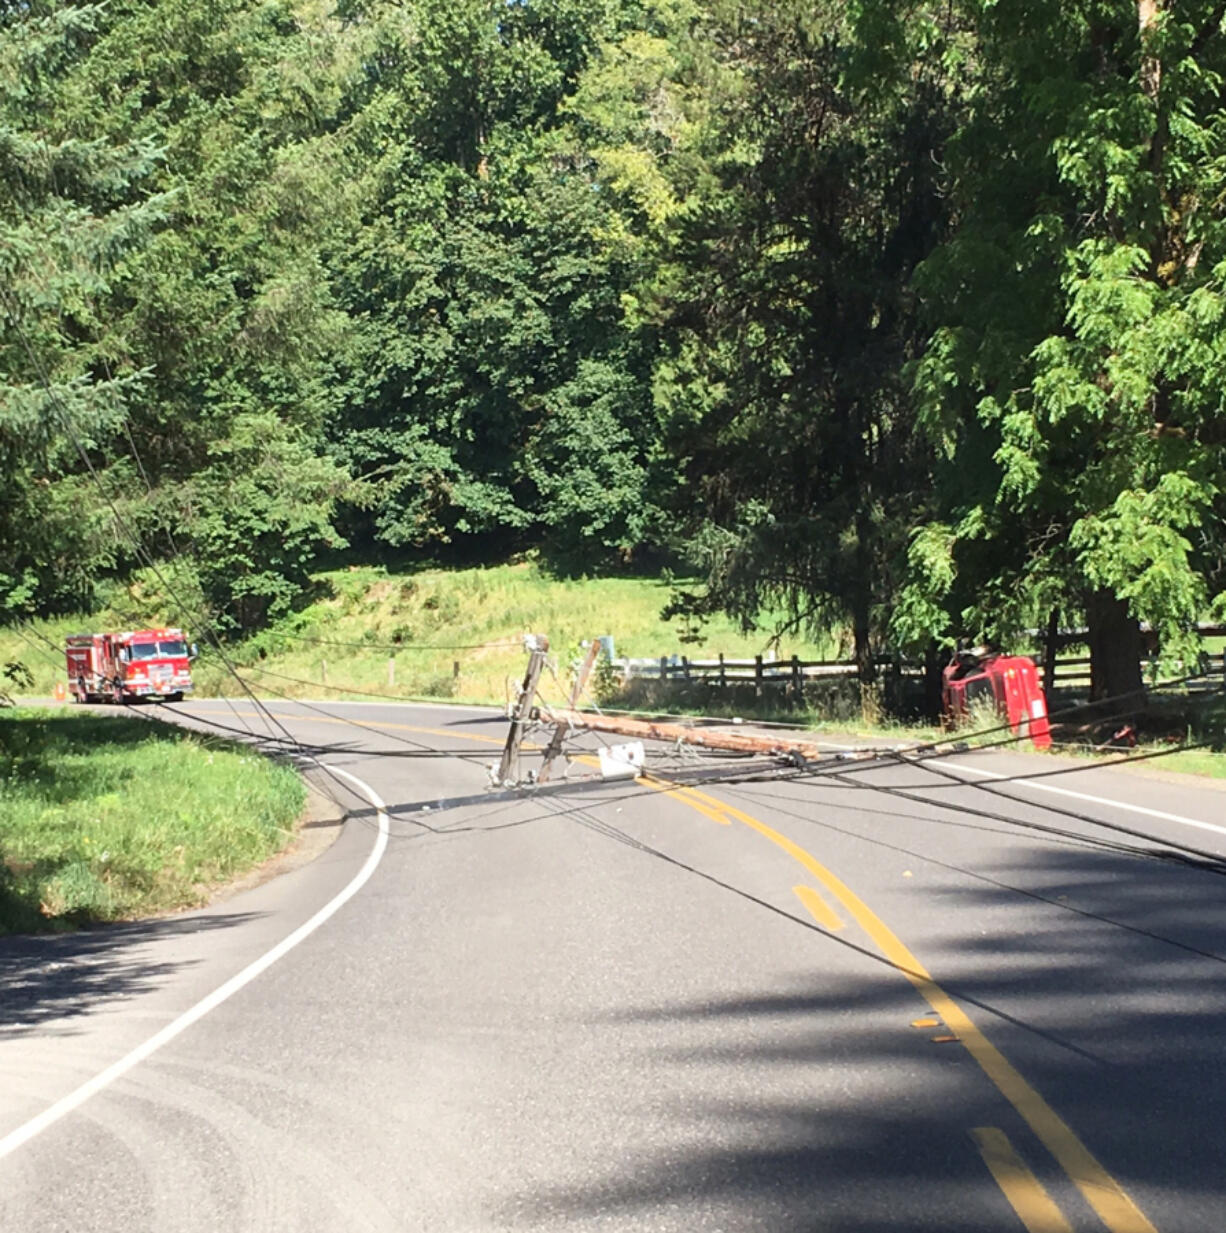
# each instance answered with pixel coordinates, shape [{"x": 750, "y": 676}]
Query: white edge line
[
  {"x": 1100, "y": 800},
  {"x": 75, "y": 1099}
]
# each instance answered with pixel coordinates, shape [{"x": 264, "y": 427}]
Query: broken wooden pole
[
  {"x": 508, "y": 768},
  {"x": 650, "y": 730},
  {"x": 559, "y": 733}
]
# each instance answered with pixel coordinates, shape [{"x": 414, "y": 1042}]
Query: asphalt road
[{"x": 906, "y": 998}]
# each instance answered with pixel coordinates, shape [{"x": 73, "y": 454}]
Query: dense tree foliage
[
  {"x": 72, "y": 208},
  {"x": 1074, "y": 319},
  {"x": 903, "y": 319},
  {"x": 787, "y": 287},
  {"x": 497, "y": 396}
]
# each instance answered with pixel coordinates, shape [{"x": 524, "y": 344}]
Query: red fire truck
[
  {"x": 141, "y": 663},
  {"x": 1008, "y": 684}
]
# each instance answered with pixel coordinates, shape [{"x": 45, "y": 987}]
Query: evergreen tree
[
  {"x": 73, "y": 208},
  {"x": 786, "y": 299}
]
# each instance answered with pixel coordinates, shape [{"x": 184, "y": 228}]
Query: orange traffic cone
[{"x": 61, "y": 694}]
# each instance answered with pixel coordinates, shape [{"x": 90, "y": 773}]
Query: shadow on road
[
  {"x": 60, "y": 977},
  {"x": 816, "y": 1105}
]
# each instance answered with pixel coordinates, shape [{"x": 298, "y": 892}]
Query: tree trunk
[
  {"x": 1051, "y": 648},
  {"x": 1115, "y": 648},
  {"x": 862, "y": 603},
  {"x": 933, "y": 681},
  {"x": 1151, "y": 65},
  {"x": 866, "y": 666}
]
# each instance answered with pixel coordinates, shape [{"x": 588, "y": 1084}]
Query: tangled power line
[{"x": 845, "y": 768}]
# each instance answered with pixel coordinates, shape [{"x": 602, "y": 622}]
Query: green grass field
[{"x": 106, "y": 817}]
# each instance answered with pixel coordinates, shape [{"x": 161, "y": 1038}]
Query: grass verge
[
  {"x": 1204, "y": 762},
  {"x": 105, "y": 817}
]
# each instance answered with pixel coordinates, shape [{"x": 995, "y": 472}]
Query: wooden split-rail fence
[{"x": 792, "y": 674}]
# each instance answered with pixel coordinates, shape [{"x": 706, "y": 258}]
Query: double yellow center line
[{"x": 1103, "y": 1193}]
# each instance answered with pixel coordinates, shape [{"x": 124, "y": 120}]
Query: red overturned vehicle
[
  {"x": 1006, "y": 684},
  {"x": 143, "y": 663}
]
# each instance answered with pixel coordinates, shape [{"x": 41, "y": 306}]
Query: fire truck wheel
[{"x": 175, "y": 697}]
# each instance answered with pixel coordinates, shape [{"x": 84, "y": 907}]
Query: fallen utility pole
[
  {"x": 736, "y": 742},
  {"x": 508, "y": 768},
  {"x": 559, "y": 733}
]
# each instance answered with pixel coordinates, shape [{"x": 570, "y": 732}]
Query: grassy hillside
[
  {"x": 458, "y": 634},
  {"x": 427, "y": 623}
]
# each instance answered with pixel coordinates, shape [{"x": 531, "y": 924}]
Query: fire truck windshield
[{"x": 155, "y": 650}]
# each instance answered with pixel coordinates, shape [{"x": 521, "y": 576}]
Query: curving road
[{"x": 908, "y": 998}]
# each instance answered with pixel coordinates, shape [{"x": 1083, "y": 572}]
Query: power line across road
[{"x": 790, "y": 1005}]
